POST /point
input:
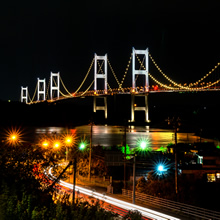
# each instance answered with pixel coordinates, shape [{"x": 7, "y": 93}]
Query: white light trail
[{"x": 119, "y": 203}]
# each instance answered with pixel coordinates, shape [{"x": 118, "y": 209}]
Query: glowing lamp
[
  {"x": 56, "y": 144},
  {"x": 68, "y": 140},
  {"x": 82, "y": 146},
  {"x": 13, "y": 137},
  {"x": 143, "y": 145},
  {"x": 45, "y": 144},
  {"x": 160, "y": 168}
]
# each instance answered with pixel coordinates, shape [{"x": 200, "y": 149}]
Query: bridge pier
[
  {"x": 103, "y": 108},
  {"x": 144, "y": 108},
  {"x": 24, "y": 94},
  {"x": 143, "y": 70}
]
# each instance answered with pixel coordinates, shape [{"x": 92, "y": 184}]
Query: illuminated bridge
[{"x": 143, "y": 83}]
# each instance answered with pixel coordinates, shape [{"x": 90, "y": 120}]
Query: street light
[
  {"x": 68, "y": 142},
  {"x": 56, "y": 144},
  {"x": 160, "y": 168},
  {"x": 45, "y": 143},
  {"x": 134, "y": 175},
  {"x": 82, "y": 145},
  {"x": 176, "y": 123},
  {"x": 143, "y": 144},
  {"x": 13, "y": 136}
]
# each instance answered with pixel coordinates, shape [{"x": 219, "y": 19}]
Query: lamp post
[
  {"x": 90, "y": 151},
  {"x": 74, "y": 179},
  {"x": 175, "y": 122},
  {"x": 68, "y": 142},
  {"x": 134, "y": 178},
  {"x": 134, "y": 175}
]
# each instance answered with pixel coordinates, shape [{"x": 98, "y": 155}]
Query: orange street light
[
  {"x": 68, "y": 140},
  {"x": 56, "y": 144},
  {"x": 13, "y": 137},
  {"x": 45, "y": 144}
]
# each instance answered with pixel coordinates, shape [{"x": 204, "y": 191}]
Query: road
[{"x": 147, "y": 213}]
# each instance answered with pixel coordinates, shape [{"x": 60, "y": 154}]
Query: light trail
[{"x": 116, "y": 202}]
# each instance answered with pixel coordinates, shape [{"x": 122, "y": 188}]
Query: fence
[{"x": 175, "y": 206}]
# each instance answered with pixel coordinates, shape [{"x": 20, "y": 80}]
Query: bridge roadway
[
  {"x": 119, "y": 204},
  {"x": 139, "y": 91}
]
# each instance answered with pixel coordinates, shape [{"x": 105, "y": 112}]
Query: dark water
[{"x": 113, "y": 135}]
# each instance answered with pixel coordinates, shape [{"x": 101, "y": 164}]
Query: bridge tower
[
  {"x": 54, "y": 84},
  {"x": 97, "y": 76},
  {"x": 24, "y": 94},
  {"x": 41, "y": 88},
  {"x": 136, "y": 72}
]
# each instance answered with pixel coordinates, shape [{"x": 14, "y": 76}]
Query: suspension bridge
[{"x": 139, "y": 60}]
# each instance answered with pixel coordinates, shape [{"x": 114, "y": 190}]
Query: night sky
[{"x": 37, "y": 37}]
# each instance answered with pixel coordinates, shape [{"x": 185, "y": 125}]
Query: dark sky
[{"x": 37, "y": 37}]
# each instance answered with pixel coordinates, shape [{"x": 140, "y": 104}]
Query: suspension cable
[
  {"x": 87, "y": 89},
  {"x": 205, "y": 76},
  {"x": 114, "y": 74},
  {"x": 191, "y": 84},
  {"x": 85, "y": 77},
  {"x": 176, "y": 84},
  {"x": 48, "y": 86},
  {"x": 126, "y": 70},
  {"x": 161, "y": 84},
  {"x": 65, "y": 87},
  {"x": 31, "y": 100},
  {"x": 100, "y": 69}
]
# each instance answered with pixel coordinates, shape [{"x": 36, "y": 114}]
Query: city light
[
  {"x": 69, "y": 139},
  {"x": 160, "y": 168},
  {"x": 82, "y": 145},
  {"x": 143, "y": 144},
  {"x": 45, "y": 144},
  {"x": 13, "y": 136},
  {"x": 56, "y": 144}
]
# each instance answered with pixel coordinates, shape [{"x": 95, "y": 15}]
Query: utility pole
[
  {"x": 134, "y": 178},
  {"x": 175, "y": 122},
  {"x": 134, "y": 175},
  {"x": 90, "y": 152},
  {"x": 74, "y": 179},
  {"x": 125, "y": 148},
  {"x": 176, "y": 161}
]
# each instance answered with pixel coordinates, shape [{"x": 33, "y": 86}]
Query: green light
[
  {"x": 218, "y": 147},
  {"x": 143, "y": 144},
  {"x": 82, "y": 146}
]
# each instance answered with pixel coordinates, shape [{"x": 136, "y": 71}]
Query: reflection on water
[{"x": 113, "y": 135}]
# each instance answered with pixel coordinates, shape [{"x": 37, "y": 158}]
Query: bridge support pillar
[
  {"x": 41, "y": 89},
  {"x": 143, "y": 70},
  {"x": 144, "y": 108},
  {"x": 24, "y": 94},
  {"x": 54, "y": 84},
  {"x": 103, "y": 107}
]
